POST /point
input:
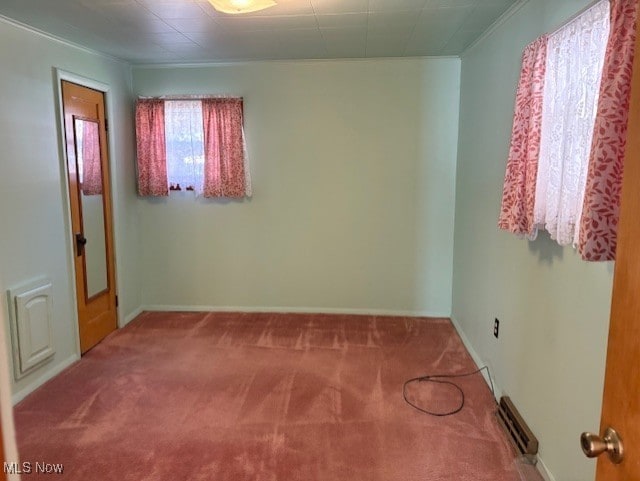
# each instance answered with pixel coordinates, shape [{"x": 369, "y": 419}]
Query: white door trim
[{"x": 61, "y": 75}]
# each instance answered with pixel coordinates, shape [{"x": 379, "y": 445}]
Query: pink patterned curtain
[
  {"x": 599, "y": 224},
  {"x": 518, "y": 195},
  {"x": 151, "y": 148},
  {"x": 225, "y": 168},
  {"x": 91, "y": 168}
]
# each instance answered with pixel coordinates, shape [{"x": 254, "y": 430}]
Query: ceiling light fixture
[{"x": 241, "y": 6}]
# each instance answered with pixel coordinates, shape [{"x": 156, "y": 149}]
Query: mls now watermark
[{"x": 28, "y": 467}]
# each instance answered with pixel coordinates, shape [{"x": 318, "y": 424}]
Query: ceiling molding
[
  {"x": 62, "y": 41},
  {"x": 500, "y": 21},
  {"x": 228, "y": 63}
]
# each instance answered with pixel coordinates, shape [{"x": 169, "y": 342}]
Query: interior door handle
[
  {"x": 611, "y": 443},
  {"x": 80, "y": 243}
]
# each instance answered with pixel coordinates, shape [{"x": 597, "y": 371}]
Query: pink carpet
[{"x": 266, "y": 397}]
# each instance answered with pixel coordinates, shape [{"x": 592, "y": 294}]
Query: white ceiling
[{"x": 178, "y": 31}]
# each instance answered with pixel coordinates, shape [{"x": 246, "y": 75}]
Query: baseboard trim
[
  {"x": 475, "y": 356},
  {"x": 295, "y": 310},
  {"x": 540, "y": 466},
  {"x": 544, "y": 471},
  {"x": 39, "y": 381},
  {"x": 131, "y": 316}
]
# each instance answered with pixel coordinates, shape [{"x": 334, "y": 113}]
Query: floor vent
[{"x": 519, "y": 433}]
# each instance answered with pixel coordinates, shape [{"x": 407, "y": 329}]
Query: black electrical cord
[{"x": 437, "y": 378}]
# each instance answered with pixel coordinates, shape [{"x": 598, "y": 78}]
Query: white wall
[
  {"x": 553, "y": 307},
  {"x": 34, "y": 240},
  {"x": 353, "y": 167}
]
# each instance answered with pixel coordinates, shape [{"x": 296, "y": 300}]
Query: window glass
[{"x": 185, "y": 144}]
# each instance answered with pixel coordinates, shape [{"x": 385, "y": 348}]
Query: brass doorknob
[{"x": 611, "y": 443}]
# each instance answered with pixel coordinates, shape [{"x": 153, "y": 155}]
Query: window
[
  {"x": 575, "y": 57},
  {"x": 184, "y": 137},
  {"x": 195, "y": 145},
  {"x": 564, "y": 172}
]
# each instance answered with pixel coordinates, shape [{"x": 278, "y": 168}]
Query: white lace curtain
[
  {"x": 185, "y": 144},
  {"x": 575, "y": 57}
]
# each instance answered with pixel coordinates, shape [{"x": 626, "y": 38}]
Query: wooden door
[
  {"x": 90, "y": 204},
  {"x": 621, "y": 400}
]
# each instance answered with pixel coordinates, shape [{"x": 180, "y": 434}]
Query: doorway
[{"x": 85, "y": 144}]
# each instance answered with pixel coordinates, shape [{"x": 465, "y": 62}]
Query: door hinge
[
  {"x": 106, "y": 125},
  {"x": 116, "y": 301}
]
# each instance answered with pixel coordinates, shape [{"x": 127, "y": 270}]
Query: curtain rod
[
  {"x": 576, "y": 15},
  {"x": 189, "y": 97}
]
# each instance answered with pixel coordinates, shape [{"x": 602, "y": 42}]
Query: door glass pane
[{"x": 92, "y": 208}]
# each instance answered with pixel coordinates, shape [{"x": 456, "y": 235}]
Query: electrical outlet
[{"x": 496, "y": 328}]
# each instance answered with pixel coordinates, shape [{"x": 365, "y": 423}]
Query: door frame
[
  {"x": 59, "y": 76},
  {"x": 7, "y": 429}
]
